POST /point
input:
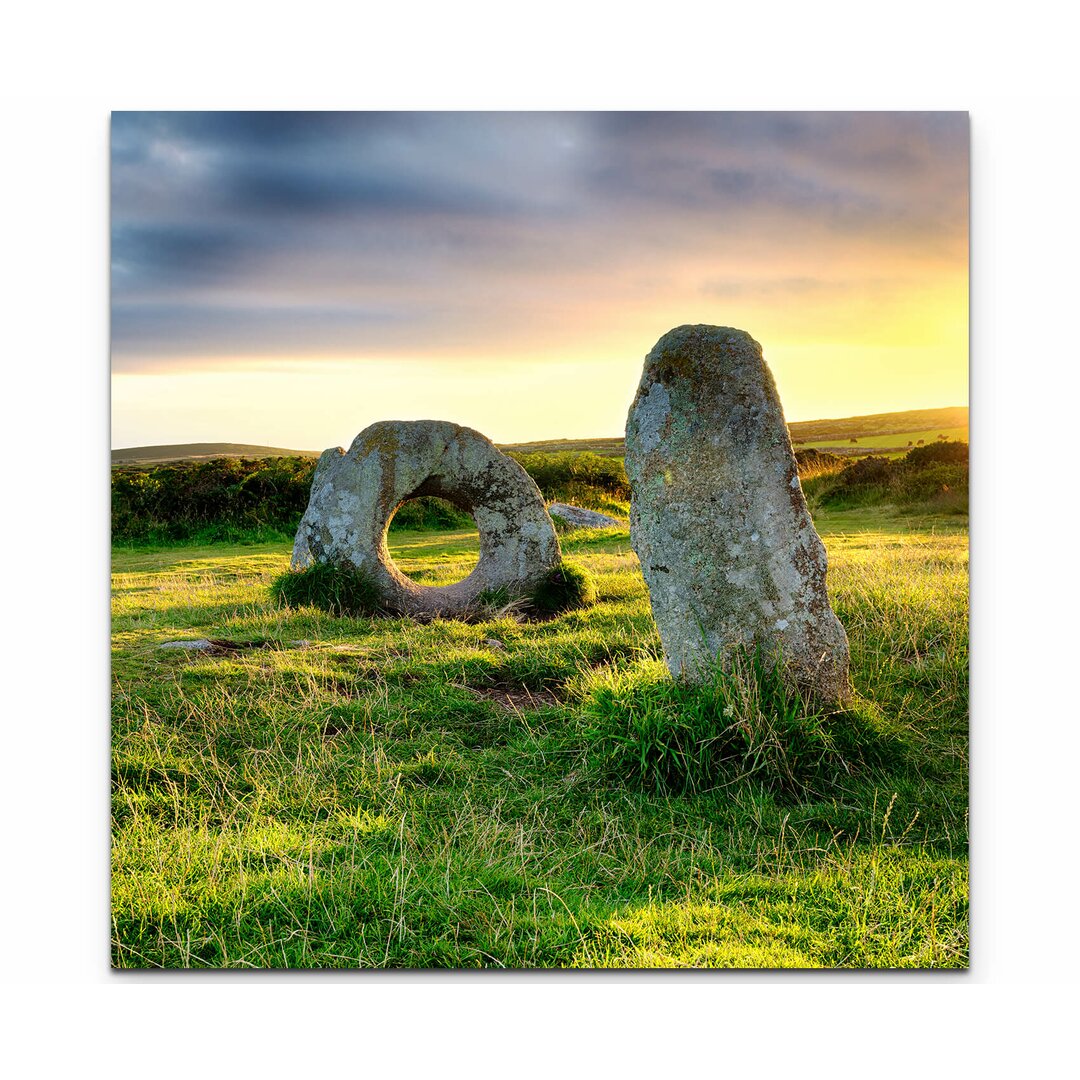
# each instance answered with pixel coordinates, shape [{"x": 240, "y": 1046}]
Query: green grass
[
  {"x": 892, "y": 424},
  {"x": 394, "y": 794},
  {"x": 339, "y": 590}
]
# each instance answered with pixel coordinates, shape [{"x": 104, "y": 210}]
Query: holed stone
[{"x": 356, "y": 492}]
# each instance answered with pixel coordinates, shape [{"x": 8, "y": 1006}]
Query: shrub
[
  {"x": 579, "y": 477},
  {"x": 428, "y": 513},
  {"x": 231, "y": 499},
  {"x": 931, "y": 483},
  {"x": 564, "y": 588},
  {"x": 944, "y": 453},
  {"x": 220, "y": 499},
  {"x": 935, "y": 475},
  {"x": 337, "y": 589},
  {"x": 860, "y": 483}
]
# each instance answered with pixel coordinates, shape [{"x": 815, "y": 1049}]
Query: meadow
[{"x": 320, "y": 791}]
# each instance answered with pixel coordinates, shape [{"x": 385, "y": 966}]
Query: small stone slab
[
  {"x": 580, "y": 518},
  {"x": 718, "y": 518},
  {"x": 194, "y": 645},
  {"x": 355, "y": 493}
]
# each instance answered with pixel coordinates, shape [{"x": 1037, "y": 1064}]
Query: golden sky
[{"x": 287, "y": 279}]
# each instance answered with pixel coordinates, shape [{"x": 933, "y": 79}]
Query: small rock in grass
[
  {"x": 491, "y": 643},
  {"x": 196, "y": 645}
]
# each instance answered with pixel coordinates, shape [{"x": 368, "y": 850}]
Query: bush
[
  {"x": 337, "y": 589},
  {"x": 860, "y": 483},
  {"x": 578, "y": 477},
  {"x": 231, "y": 499},
  {"x": 943, "y": 453},
  {"x": 931, "y": 483},
  {"x": 566, "y": 587},
  {"x": 220, "y": 499},
  {"x": 429, "y": 514},
  {"x": 934, "y": 475}
]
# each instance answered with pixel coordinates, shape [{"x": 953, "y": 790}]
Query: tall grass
[{"x": 742, "y": 724}]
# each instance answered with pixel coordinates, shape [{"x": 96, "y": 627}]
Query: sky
[{"x": 287, "y": 279}]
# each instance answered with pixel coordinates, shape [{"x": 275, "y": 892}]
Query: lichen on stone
[
  {"x": 718, "y": 518},
  {"x": 356, "y": 492}
]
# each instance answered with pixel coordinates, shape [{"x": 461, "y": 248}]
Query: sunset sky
[{"x": 288, "y": 278}]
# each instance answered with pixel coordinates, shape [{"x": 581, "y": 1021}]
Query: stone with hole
[
  {"x": 355, "y": 493},
  {"x": 718, "y": 518}
]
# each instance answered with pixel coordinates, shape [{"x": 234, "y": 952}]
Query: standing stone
[
  {"x": 718, "y": 518},
  {"x": 356, "y": 492}
]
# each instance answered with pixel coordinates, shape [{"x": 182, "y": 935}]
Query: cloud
[{"x": 316, "y": 234}]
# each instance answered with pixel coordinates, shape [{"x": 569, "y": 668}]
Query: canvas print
[{"x": 539, "y": 540}]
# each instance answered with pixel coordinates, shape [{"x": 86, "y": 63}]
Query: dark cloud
[
  {"x": 159, "y": 254},
  {"x": 240, "y": 132},
  {"x": 319, "y": 189},
  {"x": 253, "y": 232}
]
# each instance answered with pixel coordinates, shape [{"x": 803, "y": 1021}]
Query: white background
[{"x": 65, "y": 67}]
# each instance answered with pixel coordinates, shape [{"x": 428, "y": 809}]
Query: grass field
[
  {"x": 146, "y": 455},
  {"x": 394, "y": 794},
  {"x": 895, "y": 424},
  {"x": 897, "y": 443}
]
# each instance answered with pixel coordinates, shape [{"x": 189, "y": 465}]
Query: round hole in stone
[{"x": 433, "y": 542}]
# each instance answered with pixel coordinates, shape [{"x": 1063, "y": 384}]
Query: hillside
[
  {"x": 897, "y": 423},
  {"x": 881, "y": 432},
  {"x": 148, "y": 455}
]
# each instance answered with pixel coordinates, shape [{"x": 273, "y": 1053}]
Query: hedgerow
[{"x": 234, "y": 499}]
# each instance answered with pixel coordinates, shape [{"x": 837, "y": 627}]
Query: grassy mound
[
  {"x": 744, "y": 724},
  {"x": 566, "y": 587},
  {"x": 339, "y": 590}
]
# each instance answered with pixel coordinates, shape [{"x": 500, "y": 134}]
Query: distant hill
[
  {"x": 148, "y": 455},
  {"x": 880, "y": 432},
  {"x": 896, "y": 423},
  {"x": 604, "y": 447}
]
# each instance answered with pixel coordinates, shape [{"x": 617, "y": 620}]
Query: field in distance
[
  {"x": 881, "y": 432},
  {"x": 151, "y": 455}
]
